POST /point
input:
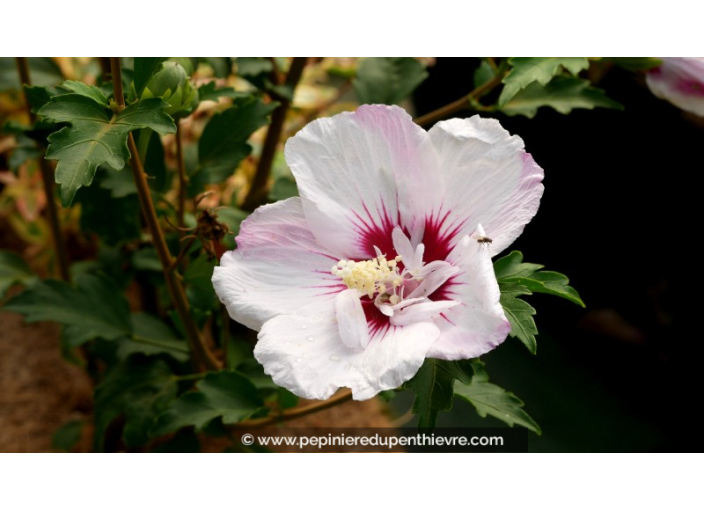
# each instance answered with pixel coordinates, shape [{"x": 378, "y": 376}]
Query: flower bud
[{"x": 173, "y": 84}]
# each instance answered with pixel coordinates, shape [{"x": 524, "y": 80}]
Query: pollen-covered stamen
[{"x": 376, "y": 276}]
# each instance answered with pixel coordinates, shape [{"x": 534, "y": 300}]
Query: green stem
[
  {"x": 47, "y": 180},
  {"x": 201, "y": 352},
  {"x": 258, "y": 191}
]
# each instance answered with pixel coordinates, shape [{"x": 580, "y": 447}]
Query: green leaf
[
  {"x": 43, "y": 71},
  {"x": 208, "y": 92},
  {"x": 96, "y": 136},
  {"x": 490, "y": 399},
  {"x": 78, "y": 87},
  {"x": 287, "y": 400},
  {"x": 433, "y": 385},
  {"x": 152, "y": 337},
  {"x": 120, "y": 185},
  {"x": 511, "y": 268},
  {"x": 159, "y": 176},
  {"x": 111, "y": 210},
  {"x": 229, "y": 395},
  {"x": 248, "y": 67},
  {"x": 199, "y": 287},
  {"x": 38, "y": 96},
  {"x": 483, "y": 74},
  {"x": 222, "y": 66},
  {"x": 138, "y": 388},
  {"x": 388, "y": 80},
  {"x": 527, "y": 70},
  {"x": 66, "y": 436},
  {"x": 636, "y": 63},
  {"x": 144, "y": 68},
  {"x": 550, "y": 282},
  {"x": 13, "y": 269},
  {"x": 223, "y": 144},
  {"x": 520, "y": 315},
  {"x": 563, "y": 93},
  {"x": 93, "y": 308}
]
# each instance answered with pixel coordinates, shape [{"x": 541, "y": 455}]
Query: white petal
[
  {"x": 304, "y": 353},
  {"x": 500, "y": 183},
  {"x": 403, "y": 247},
  {"x": 681, "y": 82},
  {"x": 433, "y": 280},
  {"x": 357, "y": 172},
  {"x": 351, "y": 322},
  {"x": 479, "y": 324},
  {"x": 277, "y": 268},
  {"x": 421, "y": 312}
]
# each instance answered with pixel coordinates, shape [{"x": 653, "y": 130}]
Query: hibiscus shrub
[{"x": 204, "y": 202}]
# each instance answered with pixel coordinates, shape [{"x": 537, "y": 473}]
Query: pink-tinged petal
[
  {"x": 305, "y": 354},
  {"x": 681, "y": 82},
  {"x": 277, "y": 268},
  {"x": 421, "y": 312},
  {"x": 351, "y": 321},
  {"x": 434, "y": 280},
  {"x": 403, "y": 247},
  {"x": 478, "y": 325},
  {"x": 491, "y": 180},
  {"x": 360, "y": 174}
]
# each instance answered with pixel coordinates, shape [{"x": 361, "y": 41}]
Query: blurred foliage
[{"x": 116, "y": 312}]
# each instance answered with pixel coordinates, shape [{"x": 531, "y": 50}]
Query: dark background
[{"x": 619, "y": 217}]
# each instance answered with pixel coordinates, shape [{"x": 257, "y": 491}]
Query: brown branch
[
  {"x": 258, "y": 191},
  {"x": 460, "y": 104},
  {"x": 105, "y": 68},
  {"x": 47, "y": 181},
  {"x": 201, "y": 352},
  {"x": 298, "y": 412},
  {"x": 182, "y": 177}
]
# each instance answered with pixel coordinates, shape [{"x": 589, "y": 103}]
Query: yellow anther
[{"x": 369, "y": 276}]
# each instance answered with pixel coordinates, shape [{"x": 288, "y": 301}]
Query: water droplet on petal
[
  {"x": 334, "y": 358},
  {"x": 310, "y": 339},
  {"x": 304, "y": 326},
  {"x": 298, "y": 360}
]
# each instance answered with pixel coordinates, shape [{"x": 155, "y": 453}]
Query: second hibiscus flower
[{"x": 385, "y": 258}]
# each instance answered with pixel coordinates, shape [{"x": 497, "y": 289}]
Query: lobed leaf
[
  {"x": 490, "y": 399},
  {"x": 223, "y": 144},
  {"x": 563, "y": 94},
  {"x": 93, "y": 308},
  {"x": 96, "y": 136},
  {"x": 227, "y": 395},
  {"x": 433, "y": 386},
  {"x": 520, "y": 315},
  {"x": 526, "y": 70},
  {"x": 139, "y": 389}
]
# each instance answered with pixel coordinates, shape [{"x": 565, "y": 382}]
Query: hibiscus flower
[
  {"x": 680, "y": 81},
  {"x": 385, "y": 258}
]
